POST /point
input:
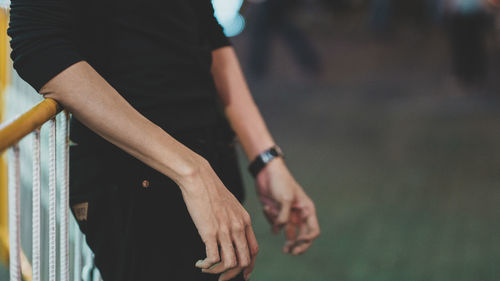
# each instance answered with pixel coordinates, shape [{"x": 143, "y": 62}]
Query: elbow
[
  {"x": 63, "y": 86},
  {"x": 48, "y": 91}
]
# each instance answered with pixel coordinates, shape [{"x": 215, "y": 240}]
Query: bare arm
[
  {"x": 285, "y": 202},
  {"x": 239, "y": 105},
  {"x": 220, "y": 219},
  {"x": 82, "y": 91}
]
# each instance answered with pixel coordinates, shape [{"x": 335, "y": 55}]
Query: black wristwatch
[{"x": 262, "y": 159}]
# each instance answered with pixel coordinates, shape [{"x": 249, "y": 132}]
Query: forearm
[
  {"x": 84, "y": 93},
  {"x": 239, "y": 105}
]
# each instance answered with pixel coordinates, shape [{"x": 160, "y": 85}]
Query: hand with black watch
[{"x": 285, "y": 204}]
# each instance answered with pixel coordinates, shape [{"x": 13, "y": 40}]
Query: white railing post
[
  {"x": 64, "y": 203},
  {"x": 14, "y": 217},
  {"x": 52, "y": 201},
  {"x": 36, "y": 250},
  {"x": 77, "y": 267}
]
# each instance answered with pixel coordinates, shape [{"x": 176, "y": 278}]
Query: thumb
[{"x": 284, "y": 213}]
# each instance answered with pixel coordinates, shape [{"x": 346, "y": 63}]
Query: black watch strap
[{"x": 262, "y": 159}]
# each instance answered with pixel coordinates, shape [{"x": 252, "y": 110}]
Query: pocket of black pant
[{"x": 80, "y": 213}]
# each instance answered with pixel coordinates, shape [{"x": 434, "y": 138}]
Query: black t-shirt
[{"x": 155, "y": 53}]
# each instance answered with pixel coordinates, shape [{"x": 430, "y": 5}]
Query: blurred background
[{"x": 389, "y": 115}]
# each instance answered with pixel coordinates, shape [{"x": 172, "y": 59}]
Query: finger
[
  {"x": 270, "y": 214},
  {"x": 300, "y": 248},
  {"x": 290, "y": 235},
  {"x": 296, "y": 216},
  {"x": 230, "y": 274},
  {"x": 313, "y": 229},
  {"x": 275, "y": 229},
  {"x": 227, "y": 253},
  {"x": 268, "y": 201},
  {"x": 284, "y": 214},
  {"x": 212, "y": 252},
  {"x": 272, "y": 211},
  {"x": 288, "y": 246},
  {"x": 242, "y": 250},
  {"x": 248, "y": 271},
  {"x": 254, "y": 250},
  {"x": 252, "y": 241},
  {"x": 291, "y": 230}
]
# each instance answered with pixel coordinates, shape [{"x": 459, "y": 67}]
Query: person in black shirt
[{"x": 150, "y": 202}]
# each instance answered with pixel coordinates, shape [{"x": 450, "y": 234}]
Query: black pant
[{"x": 137, "y": 224}]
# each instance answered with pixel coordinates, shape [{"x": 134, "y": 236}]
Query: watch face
[
  {"x": 271, "y": 154},
  {"x": 266, "y": 157}
]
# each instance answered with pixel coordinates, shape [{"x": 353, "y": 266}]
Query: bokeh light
[{"x": 227, "y": 13}]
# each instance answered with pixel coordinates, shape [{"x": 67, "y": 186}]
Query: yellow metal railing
[
  {"x": 57, "y": 266},
  {"x": 4, "y": 75},
  {"x": 11, "y": 133},
  {"x": 15, "y": 130}
]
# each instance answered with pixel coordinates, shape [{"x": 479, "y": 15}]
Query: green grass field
[
  {"x": 405, "y": 191},
  {"x": 403, "y": 164}
]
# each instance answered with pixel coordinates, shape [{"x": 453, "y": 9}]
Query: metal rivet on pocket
[{"x": 145, "y": 183}]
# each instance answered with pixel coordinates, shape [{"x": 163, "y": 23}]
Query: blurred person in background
[
  {"x": 157, "y": 97},
  {"x": 494, "y": 8},
  {"x": 381, "y": 15},
  {"x": 383, "y": 12},
  {"x": 272, "y": 18},
  {"x": 468, "y": 23}
]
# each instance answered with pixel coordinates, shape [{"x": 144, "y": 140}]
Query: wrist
[
  {"x": 275, "y": 170},
  {"x": 262, "y": 160},
  {"x": 187, "y": 169}
]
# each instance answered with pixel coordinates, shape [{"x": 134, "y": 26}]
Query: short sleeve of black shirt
[
  {"x": 211, "y": 27},
  {"x": 41, "y": 38},
  {"x": 42, "y": 32}
]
